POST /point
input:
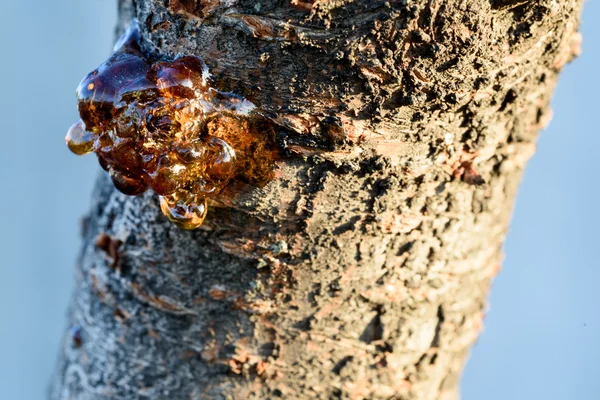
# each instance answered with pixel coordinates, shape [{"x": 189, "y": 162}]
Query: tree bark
[{"x": 362, "y": 270}]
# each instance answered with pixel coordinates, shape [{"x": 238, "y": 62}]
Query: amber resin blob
[{"x": 159, "y": 125}]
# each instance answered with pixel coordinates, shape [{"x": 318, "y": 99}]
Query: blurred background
[{"x": 541, "y": 339}]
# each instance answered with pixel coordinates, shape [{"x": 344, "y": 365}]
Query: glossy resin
[{"x": 159, "y": 125}]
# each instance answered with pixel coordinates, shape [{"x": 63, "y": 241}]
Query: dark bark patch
[
  {"x": 112, "y": 248},
  {"x": 341, "y": 364},
  {"x": 374, "y": 330},
  {"x": 510, "y": 98},
  {"x": 438, "y": 328},
  {"x": 449, "y": 64},
  {"x": 471, "y": 177},
  {"x": 348, "y": 226},
  {"x": 404, "y": 248},
  {"x": 304, "y": 324},
  {"x": 76, "y": 338},
  {"x": 120, "y": 315}
]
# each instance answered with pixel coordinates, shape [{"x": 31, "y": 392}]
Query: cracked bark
[{"x": 362, "y": 270}]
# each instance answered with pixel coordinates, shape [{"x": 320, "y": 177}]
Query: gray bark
[{"x": 362, "y": 270}]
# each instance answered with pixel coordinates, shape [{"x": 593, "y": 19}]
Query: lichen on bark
[{"x": 361, "y": 271}]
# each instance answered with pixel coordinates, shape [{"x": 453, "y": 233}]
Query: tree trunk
[{"x": 362, "y": 270}]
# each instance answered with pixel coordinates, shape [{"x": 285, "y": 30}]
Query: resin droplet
[
  {"x": 79, "y": 140},
  {"x": 127, "y": 183},
  {"x": 222, "y": 159},
  {"x": 187, "y": 212},
  {"x": 220, "y": 169},
  {"x": 190, "y": 153},
  {"x": 168, "y": 177}
]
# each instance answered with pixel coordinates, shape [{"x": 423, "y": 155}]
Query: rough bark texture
[{"x": 362, "y": 270}]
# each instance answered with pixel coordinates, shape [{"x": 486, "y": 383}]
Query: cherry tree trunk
[{"x": 361, "y": 271}]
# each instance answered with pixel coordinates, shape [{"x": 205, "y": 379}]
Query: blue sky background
[{"x": 542, "y": 331}]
